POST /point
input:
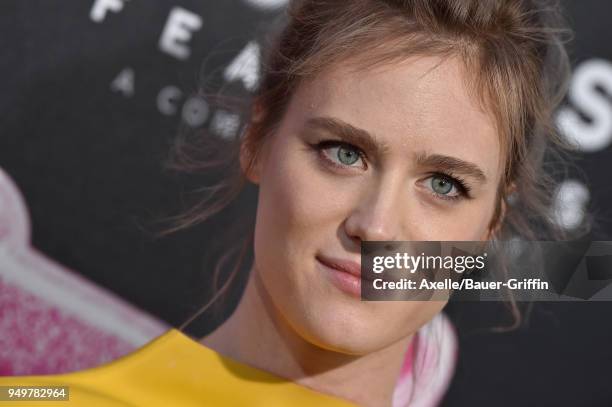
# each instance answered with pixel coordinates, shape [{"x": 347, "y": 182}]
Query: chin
[{"x": 349, "y": 327}]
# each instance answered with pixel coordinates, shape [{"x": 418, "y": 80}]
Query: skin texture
[{"x": 292, "y": 320}]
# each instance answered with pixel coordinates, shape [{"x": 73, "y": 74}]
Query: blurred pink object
[{"x": 52, "y": 320}]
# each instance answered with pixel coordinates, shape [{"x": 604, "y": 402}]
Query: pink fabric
[
  {"x": 409, "y": 359},
  {"x": 39, "y": 338},
  {"x": 428, "y": 366},
  {"x": 52, "y": 320}
]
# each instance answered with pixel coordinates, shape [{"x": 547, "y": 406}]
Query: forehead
[{"x": 422, "y": 103}]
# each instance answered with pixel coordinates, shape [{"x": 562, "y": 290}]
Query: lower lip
[{"x": 346, "y": 282}]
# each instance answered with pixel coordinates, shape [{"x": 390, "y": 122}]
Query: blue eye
[
  {"x": 347, "y": 156},
  {"x": 447, "y": 187},
  {"x": 441, "y": 185},
  {"x": 342, "y": 154}
]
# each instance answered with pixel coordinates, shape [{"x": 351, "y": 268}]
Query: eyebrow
[
  {"x": 367, "y": 141},
  {"x": 351, "y": 134},
  {"x": 451, "y": 164}
]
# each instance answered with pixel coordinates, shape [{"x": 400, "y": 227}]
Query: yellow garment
[{"x": 173, "y": 370}]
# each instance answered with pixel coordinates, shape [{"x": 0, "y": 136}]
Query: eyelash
[
  {"x": 463, "y": 188},
  {"x": 321, "y": 146}
]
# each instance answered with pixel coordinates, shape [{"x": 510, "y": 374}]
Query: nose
[{"x": 377, "y": 216}]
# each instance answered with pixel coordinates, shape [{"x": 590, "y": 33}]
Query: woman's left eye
[
  {"x": 342, "y": 154},
  {"x": 446, "y": 187}
]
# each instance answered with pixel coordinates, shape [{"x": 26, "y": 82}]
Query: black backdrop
[{"x": 93, "y": 93}]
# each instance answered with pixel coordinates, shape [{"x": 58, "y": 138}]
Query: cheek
[
  {"x": 468, "y": 221},
  {"x": 299, "y": 208},
  {"x": 481, "y": 216},
  {"x": 472, "y": 224}
]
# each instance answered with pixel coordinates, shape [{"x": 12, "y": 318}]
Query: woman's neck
[{"x": 257, "y": 335}]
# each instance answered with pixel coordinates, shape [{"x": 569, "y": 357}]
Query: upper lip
[{"x": 347, "y": 266}]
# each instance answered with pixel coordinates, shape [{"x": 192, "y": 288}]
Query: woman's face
[{"x": 400, "y": 152}]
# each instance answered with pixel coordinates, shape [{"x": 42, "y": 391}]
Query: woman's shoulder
[{"x": 171, "y": 369}]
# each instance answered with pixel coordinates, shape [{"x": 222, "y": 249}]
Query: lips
[{"x": 347, "y": 266}]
